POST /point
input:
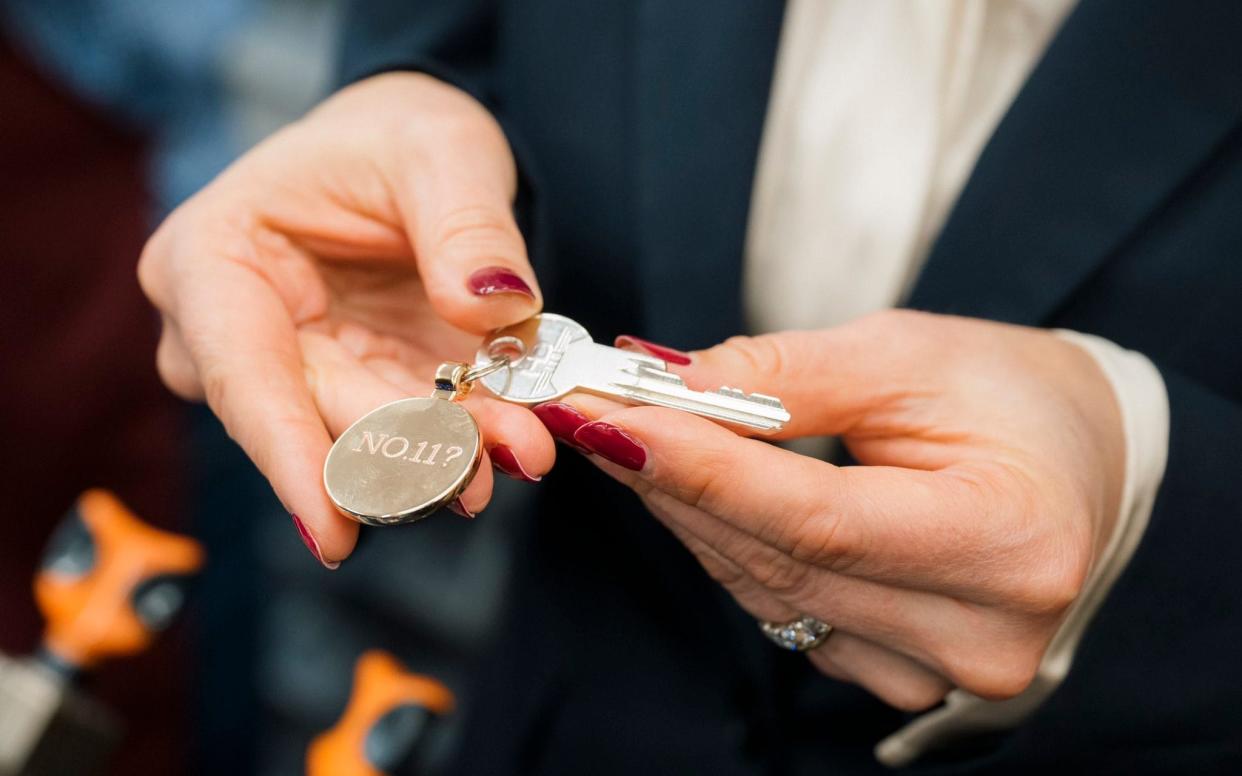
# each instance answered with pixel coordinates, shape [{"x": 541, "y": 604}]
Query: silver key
[{"x": 551, "y": 355}]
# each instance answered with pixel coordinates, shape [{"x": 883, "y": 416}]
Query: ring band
[{"x": 800, "y": 635}]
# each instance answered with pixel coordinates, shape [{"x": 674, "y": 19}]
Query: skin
[
  {"x": 326, "y": 273},
  {"x": 995, "y": 461}
]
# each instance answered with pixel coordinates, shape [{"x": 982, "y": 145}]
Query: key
[{"x": 551, "y": 355}]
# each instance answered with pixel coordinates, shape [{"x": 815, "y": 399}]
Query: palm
[{"x": 381, "y": 312}]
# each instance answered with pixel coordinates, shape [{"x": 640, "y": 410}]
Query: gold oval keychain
[{"x": 406, "y": 459}]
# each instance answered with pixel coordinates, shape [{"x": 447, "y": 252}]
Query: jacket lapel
[
  {"x": 702, "y": 81},
  {"x": 1128, "y": 101}
]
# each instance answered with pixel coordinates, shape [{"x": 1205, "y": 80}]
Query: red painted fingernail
[
  {"x": 311, "y": 544},
  {"x": 506, "y": 460},
  {"x": 630, "y": 342},
  {"x": 561, "y": 420},
  {"x": 457, "y": 507},
  {"x": 608, "y": 441},
  {"x": 497, "y": 280}
]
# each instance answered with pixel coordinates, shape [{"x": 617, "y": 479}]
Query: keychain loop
[
  {"x": 454, "y": 379},
  {"x": 448, "y": 381},
  {"x": 483, "y": 370}
]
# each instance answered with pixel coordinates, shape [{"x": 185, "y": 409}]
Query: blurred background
[{"x": 114, "y": 111}]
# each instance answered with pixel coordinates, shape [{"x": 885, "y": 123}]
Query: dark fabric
[
  {"x": 83, "y": 406},
  {"x": 1107, "y": 202}
]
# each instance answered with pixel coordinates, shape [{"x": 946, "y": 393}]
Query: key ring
[
  {"x": 483, "y": 370},
  {"x": 454, "y": 379}
]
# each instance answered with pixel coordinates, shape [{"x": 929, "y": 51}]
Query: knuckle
[
  {"x": 765, "y": 354},
  {"x": 781, "y": 575},
  {"x": 179, "y": 376},
  {"x": 1053, "y": 585},
  {"x": 914, "y": 696},
  {"x": 448, "y": 114},
  {"x": 452, "y": 120},
  {"x": 705, "y": 483},
  {"x": 1041, "y": 554},
  {"x": 1056, "y": 555},
  {"x": 912, "y": 332},
  {"x": 475, "y": 226},
  {"x": 995, "y": 674},
  {"x": 818, "y": 539}
]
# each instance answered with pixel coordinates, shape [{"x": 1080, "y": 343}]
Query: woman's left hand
[{"x": 993, "y": 464}]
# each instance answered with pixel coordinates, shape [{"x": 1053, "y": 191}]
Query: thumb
[
  {"x": 457, "y": 208},
  {"x": 828, "y": 380}
]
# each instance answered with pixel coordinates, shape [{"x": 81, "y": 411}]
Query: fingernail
[
  {"x": 608, "y": 441},
  {"x": 630, "y": 342},
  {"x": 457, "y": 507},
  {"x": 311, "y": 544},
  {"x": 561, "y": 420},
  {"x": 497, "y": 280},
  {"x": 506, "y": 460}
]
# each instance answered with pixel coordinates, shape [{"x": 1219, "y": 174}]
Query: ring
[{"x": 798, "y": 635}]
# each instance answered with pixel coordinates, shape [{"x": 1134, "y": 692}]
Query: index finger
[{"x": 905, "y": 527}]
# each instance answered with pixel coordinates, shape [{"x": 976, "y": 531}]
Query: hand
[
  {"x": 331, "y": 269},
  {"x": 994, "y": 461}
]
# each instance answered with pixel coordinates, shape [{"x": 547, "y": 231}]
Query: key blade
[
  {"x": 729, "y": 405},
  {"x": 559, "y": 356}
]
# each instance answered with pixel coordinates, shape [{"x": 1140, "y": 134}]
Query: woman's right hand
[{"x": 331, "y": 269}]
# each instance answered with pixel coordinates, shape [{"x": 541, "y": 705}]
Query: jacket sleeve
[{"x": 455, "y": 41}]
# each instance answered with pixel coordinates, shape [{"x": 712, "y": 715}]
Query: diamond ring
[{"x": 797, "y": 635}]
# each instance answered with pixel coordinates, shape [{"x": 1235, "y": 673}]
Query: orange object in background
[
  {"x": 110, "y": 582},
  {"x": 387, "y": 717}
]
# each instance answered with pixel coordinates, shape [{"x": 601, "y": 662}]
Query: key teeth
[
  {"x": 757, "y": 398},
  {"x": 771, "y": 401},
  {"x": 647, "y": 371}
]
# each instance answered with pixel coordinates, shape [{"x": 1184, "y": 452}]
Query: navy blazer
[{"x": 1109, "y": 200}]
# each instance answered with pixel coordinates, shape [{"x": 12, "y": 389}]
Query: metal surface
[
  {"x": 553, "y": 355},
  {"x": 480, "y": 371},
  {"x": 403, "y": 461}
]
